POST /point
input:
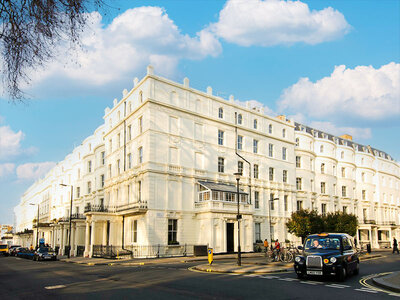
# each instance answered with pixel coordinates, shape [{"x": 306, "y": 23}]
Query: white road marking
[
  {"x": 252, "y": 275},
  {"x": 53, "y": 287},
  {"x": 366, "y": 290},
  {"x": 396, "y": 295},
  {"x": 340, "y": 285},
  {"x": 289, "y": 279},
  {"x": 269, "y": 277},
  {"x": 311, "y": 282},
  {"x": 334, "y": 286}
]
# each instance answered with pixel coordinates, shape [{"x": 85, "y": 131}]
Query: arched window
[
  {"x": 297, "y": 142},
  {"x": 220, "y": 113},
  {"x": 255, "y": 123},
  {"x": 321, "y": 148},
  {"x": 270, "y": 128},
  {"x": 240, "y": 119},
  {"x": 322, "y": 168}
]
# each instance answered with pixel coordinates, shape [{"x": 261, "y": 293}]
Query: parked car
[
  {"x": 44, "y": 253},
  {"x": 16, "y": 250},
  {"x": 12, "y": 248},
  {"x": 4, "y": 249},
  {"x": 25, "y": 253},
  {"x": 327, "y": 254}
]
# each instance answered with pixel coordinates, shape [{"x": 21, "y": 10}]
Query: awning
[{"x": 221, "y": 187}]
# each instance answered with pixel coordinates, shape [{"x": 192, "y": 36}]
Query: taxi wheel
[
  {"x": 357, "y": 269},
  {"x": 300, "y": 275},
  {"x": 343, "y": 273}
]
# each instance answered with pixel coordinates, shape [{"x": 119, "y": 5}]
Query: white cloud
[
  {"x": 363, "y": 92},
  {"x": 273, "y": 22},
  {"x": 10, "y": 142},
  {"x": 329, "y": 127},
  {"x": 134, "y": 39},
  {"x": 6, "y": 169},
  {"x": 33, "y": 171}
]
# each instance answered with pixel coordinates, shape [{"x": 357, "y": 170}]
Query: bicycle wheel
[
  {"x": 289, "y": 257},
  {"x": 269, "y": 257},
  {"x": 281, "y": 257}
]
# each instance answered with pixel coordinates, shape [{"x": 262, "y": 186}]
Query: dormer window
[
  {"x": 220, "y": 113},
  {"x": 240, "y": 119}
]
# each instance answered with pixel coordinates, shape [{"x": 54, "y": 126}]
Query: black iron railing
[{"x": 133, "y": 251}]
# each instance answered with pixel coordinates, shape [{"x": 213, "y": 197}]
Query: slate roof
[{"x": 341, "y": 141}]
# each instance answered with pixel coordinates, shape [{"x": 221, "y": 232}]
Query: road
[{"x": 25, "y": 279}]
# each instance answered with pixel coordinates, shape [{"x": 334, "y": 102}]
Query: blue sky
[{"x": 330, "y": 64}]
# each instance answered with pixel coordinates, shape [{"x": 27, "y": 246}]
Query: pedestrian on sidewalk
[
  {"x": 395, "y": 246},
  {"x": 265, "y": 246}
]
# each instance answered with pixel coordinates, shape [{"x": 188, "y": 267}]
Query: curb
[
  {"x": 370, "y": 257},
  {"x": 282, "y": 270},
  {"x": 380, "y": 281}
]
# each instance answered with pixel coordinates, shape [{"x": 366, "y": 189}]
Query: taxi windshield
[
  {"x": 3, "y": 246},
  {"x": 322, "y": 243}
]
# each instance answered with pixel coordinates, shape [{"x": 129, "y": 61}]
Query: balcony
[
  {"x": 131, "y": 208},
  {"x": 387, "y": 223},
  {"x": 125, "y": 209},
  {"x": 372, "y": 222}
]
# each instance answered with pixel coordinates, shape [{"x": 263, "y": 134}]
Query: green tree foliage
[
  {"x": 341, "y": 222},
  {"x": 305, "y": 222}
]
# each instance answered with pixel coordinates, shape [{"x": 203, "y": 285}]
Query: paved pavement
[
  {"x": 390, "y": 281},
  {"x": 172, "y": 278}
]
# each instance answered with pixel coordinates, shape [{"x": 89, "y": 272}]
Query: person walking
[
  {"x": 395, "y": 246},
  {"x": 265, "y": 245}
]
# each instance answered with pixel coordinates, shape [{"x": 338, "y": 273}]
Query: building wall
[{"x": 162, "y": 138}]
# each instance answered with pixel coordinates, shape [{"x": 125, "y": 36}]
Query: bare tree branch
[{"x": 30, "y": 31}]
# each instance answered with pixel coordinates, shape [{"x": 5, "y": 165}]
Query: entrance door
[{"x": 229, "y": 237}]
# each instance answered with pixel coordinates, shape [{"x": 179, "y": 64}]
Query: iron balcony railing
[
  {"x": 365, "y": 221},
  {"x": 115, "y": 208},
  {"x": 133, "y": 251}
]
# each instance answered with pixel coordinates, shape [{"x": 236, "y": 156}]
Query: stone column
[
  {"x": 104, "y": 242},
  {"x": 92, "y": 241},
  {"x": 73, "y": 243},
  {"x": 62, "y": 242},
  {"x": 87, "y": 239}
]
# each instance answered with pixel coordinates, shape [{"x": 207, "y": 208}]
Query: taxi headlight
[
  {"x": 333, "y": 260},
  {"x": 297, "y": 259}
]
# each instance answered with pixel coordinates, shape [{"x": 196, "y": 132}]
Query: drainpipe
[{"x": 236, "y": 152}]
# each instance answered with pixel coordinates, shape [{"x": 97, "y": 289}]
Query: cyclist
[{"x": 277, "y": 248}]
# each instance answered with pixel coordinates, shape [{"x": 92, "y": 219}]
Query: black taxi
[{"x": 327, "y": 254}]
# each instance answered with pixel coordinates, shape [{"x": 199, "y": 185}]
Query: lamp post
[
  {"x": 237, "y": 175},
  {"x": 37, "y": 224},
  {"x": 70, "y": 218}
]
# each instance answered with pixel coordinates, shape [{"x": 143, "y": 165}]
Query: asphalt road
[{"x": 25, "y": 279}]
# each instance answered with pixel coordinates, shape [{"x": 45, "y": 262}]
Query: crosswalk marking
[
  {"x": 311, "y": 282},
  {"x": 335, "y": 286},
  {"x": 288, "y": 279},
  {"x": 60, "y": 286},
  {"x": 366, "y": 290}
]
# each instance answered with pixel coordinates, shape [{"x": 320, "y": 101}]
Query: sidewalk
[
  {"x": 251, "y": 262},
  {"x": 147, "y": 261},
  {"x": 390, "y": 282}
]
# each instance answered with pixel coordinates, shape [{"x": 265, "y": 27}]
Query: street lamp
[
  {"x": 37, "y": 225},
  {"x": 269, "y": 210},
  {"x": 70, "y": 218},
  {"x": 237, "y": 175}
]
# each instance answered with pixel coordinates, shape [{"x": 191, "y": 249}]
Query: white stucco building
[{"x": 159, "y": 171}]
